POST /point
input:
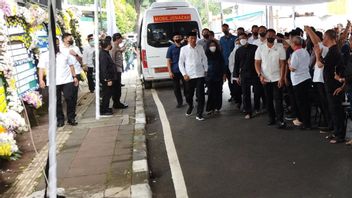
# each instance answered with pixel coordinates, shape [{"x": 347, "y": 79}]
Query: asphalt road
[{"x": 227, "y": 156}]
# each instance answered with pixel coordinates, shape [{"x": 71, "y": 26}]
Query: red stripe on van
[
  {"x": 144, "y": 59},
  {"x": 161, "y": 70}
]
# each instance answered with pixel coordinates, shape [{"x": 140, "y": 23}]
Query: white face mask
[
  {"x": 243, "y": 41},
  {"x": 212, "y": 48}
]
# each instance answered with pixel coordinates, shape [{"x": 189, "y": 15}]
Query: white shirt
[
  {"x": 63, "y": 71},
  {"x": 193, "y": 61},
  {"x": 251, "y": 40},
  {"x": 232, "y": 61},
  {"x": 300, "y": 61},
  {"x": 66, "y": 51},
  {"x": 258, "y": 42},
  {"x": 88, "y": 53},
  {"x": 270, "y": 58},
  {"x": 318, "y": 72}
]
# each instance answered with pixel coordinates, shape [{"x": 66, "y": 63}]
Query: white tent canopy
[{"x": 278, "y": 2}]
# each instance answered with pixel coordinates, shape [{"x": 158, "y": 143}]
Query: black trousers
[
  {"x": 197, "y": 85},
  {"x": 107, "y": 93},
  {"x": 90, "y": 79},
  {"x": 235, "y": 89},
  {"x": 214, "y": 95},
  {"x": 337, "y": 112},
  {"x": 246, "y": 84},
  {"x": 293, "y": 101},
  {"x": 67, "y": 90},
  {"x": 177, "y": 87},
  {"x": 116, "y": 86},
  {"x": 302, "y": 91},
  {"x": 324, "y": 105},
  {"x": 274, "y": 94}
]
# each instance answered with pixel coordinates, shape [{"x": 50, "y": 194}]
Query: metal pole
[
  {"x": 52, "y": 100},
  {"x": 96, "y": 46},
  {"x": 101, "y": 13}
]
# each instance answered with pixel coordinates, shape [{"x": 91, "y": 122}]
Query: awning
[{"x": 278, "y": 2}]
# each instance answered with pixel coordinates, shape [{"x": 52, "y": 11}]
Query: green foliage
[
  {"x": 126, "y": 16},
  {"x": 214, "y": 8},
  {"x": 80, "y": 2}
]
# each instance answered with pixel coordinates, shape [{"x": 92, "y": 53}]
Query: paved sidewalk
[{"x": 97, "y": 158}]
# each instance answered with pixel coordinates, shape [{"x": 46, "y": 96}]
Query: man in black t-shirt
[{"x": 333, "y": 65}]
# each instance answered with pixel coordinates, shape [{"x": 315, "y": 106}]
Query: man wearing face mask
[
  {"x": 69, "y": 49},
  {"x": 193, "y": 64},
  {"x": 270, "y": 66},
  {"x": 203, "y": 42},
  {"x": 108, "y": 75},
  {"x": 227, "y": 44},
  {"x": 88, "y": 63},
  {"x": 255, "y": 34},
  {"x": 172, "y": 56},
  {"x": 262, "y": 36},
  {"x": 117, "y": 57},
  {"x": 246, "y": 76},
  {"x": 232, "y": 57}
]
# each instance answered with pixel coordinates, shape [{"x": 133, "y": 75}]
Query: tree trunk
[{"x": 137, "y": 6}]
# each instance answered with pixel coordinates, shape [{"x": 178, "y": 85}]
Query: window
[{"x": 160, "y": 34}]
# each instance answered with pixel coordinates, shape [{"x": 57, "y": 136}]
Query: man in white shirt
[
  {"x": 232, "y": 58},
  {"x": 262, "y": 36},
  {"x": 270, "y": 66},
  {"x": 318, "y": 79},
  {"x": 255, "y": 34},
  {"x": 193, "y": 65},
  {"x": 87, "y": 60},
  {"x": 301, "y": 80},
  {"x": 69, "y": 49},
  {"x": 66, "y": 82}
]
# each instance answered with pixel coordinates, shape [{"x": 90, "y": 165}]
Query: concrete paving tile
[
  {"x": 85, "y": 171},
  {"x": 104, "y": 161},
  {"x": 83, "y": 181}
]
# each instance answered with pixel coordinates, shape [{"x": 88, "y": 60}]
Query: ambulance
[{"x": 156, "y": 30}]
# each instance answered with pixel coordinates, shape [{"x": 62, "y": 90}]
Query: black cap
[{"x": 192, "y": 34}]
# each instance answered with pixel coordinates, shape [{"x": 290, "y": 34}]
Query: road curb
[{"x": 140, "y": 171}]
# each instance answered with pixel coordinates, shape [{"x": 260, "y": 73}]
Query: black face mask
[
  {"x": 271, "y": 40},
  {"x": 206, "y": 36},
  {"x": 262, "y": 34},
  {"x": 226, "y": 32},
  {"x": 255, "y": 33},
  {"x": 70, "y": 42}
]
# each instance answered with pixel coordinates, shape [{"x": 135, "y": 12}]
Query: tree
[
  {"x": 214, "y": 8},
  {"x": 126, "y": 16}
]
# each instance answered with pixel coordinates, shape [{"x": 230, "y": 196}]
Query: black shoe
[
  {"x": 231, "y": 99},
  {"x": 179, "y": 105},
  {"x": 91, "y": 91},
  {"x": 122, "y": 85},
  {"x": 72, "y": 122},
  {"x": 60, "y": 124},
  {"x": 106, "y": 114},
  {"x": 271, "y": 122},
  {"x": 282, "y": 125},
  {"x": 189, "y": 111},
  {"x": 120, "y": 106}
]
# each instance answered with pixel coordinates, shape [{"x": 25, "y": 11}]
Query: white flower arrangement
[{"x": 13, "y": 121}]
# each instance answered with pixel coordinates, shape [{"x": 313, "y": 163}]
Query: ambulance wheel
[{"x": 148, "y": 84}]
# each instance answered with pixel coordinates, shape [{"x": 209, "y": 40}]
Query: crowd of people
[
  {"x": 287, "y": 73},
  {"x": 73, "y": 66}
]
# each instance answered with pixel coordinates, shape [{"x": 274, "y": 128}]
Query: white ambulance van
[{"x": 156, "y": 30}]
